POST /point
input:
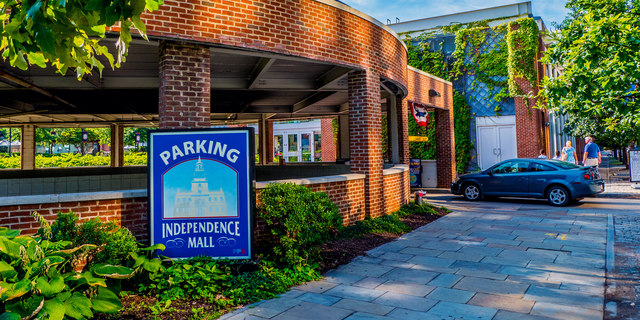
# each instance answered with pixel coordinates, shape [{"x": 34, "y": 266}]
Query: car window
[
  {"x": 512, "y": 167},
  {"x": 536, "y": 167},
  {"x": 565, "y": 165}
]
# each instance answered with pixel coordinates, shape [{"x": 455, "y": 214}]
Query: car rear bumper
[{"x": 588, "y": 189}]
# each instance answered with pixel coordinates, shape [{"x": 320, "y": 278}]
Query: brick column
[
  {"x": 327, "y": 143},
  {"x": 269, "y": 141},
  {"x": 402, "y": 108},
  {"x": 28, "y": 147},
  {"x": 185, "y": 85},
  {"x": 365, "y": 133},
  {"x": 445, "y": 148},
  {"x": 117, "y": 145},
  {"x": 528, "y": 124}
]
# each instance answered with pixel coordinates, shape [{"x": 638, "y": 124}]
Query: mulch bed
[{"x": 334, "y": 254}]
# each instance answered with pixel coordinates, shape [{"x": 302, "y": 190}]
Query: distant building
[
  {"x": 199, "y": 201},
  {"x": 500, "y": 129}
]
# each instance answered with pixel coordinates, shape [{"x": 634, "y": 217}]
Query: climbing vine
[
  {"x": 423, "y": 150},
  {"x": 523, "y": 43},
  {"x": 462, "y": 126}
]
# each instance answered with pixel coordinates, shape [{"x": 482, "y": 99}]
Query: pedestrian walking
[
  {"x": 592, "y": 155},
  {"x": 569, "y": 153},
  {"x": 543, "y": 154}
]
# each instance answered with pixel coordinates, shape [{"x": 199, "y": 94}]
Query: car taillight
[{"x": 587, "y": 176}]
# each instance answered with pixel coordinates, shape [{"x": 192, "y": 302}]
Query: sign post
[
  {"x": 201, "y": 192},
  {"x": 634, "y": 165},
  {"x": 415, "y": 172}
]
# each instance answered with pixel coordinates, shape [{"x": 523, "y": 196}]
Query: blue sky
[{"x": 405, "y": 10}]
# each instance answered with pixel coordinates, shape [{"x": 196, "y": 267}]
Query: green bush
[
  {"x": 115, "y": 243},
  {"x": 9, "y": 162},
  {"x": 39, "y": 278},
  {"x": 299, "y": 220},
  {"x": 135, "y": 158}
]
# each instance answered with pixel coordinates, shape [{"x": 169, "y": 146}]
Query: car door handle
[{"x": 541, "y": 180}]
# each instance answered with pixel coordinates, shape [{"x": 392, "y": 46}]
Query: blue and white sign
[{"x": 200, "y": 195}]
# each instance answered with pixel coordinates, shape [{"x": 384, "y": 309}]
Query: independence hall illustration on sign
[{"x": 199, "y": 201}]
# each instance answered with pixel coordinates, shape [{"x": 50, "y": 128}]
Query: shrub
[
  {"x": 299, "y": 220},
  {"x": 38, "y": 279},
  {"x": 115, "y": 244},
  {"x": 135, "y": 158}
]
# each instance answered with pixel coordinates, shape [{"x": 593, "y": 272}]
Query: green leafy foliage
[
  {"x": 66, "y": 34},
  {"x": 462, "y": 123},
  {"x": 390, "y": 223},
  {"x": 38, "y": 279},
  {"x": 115, "y": 244},
  {"x": 66, "y": 160},
  {"x": 597, "y": 47},
  {"x": 423, "y": 150},
  {"x": 299, "y": 220}
]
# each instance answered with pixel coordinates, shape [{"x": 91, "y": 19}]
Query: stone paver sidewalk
[{"x": 476, "y": 264}]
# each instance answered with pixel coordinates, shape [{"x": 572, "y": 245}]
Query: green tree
[
  {"x": 597, "y": 47},
  {"x": 130, "y": 135},
  {"x": 66, "y": 34},
  {"x": 610, "y": 139},
  {"x": 73, "y": 136}
]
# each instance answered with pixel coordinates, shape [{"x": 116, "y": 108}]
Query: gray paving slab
[
  {"x": 422, "y": 252},
  {"x": 445, "y": 280},
  {"x": 451, "y": 310},
  {"x": 451, "y": 295},
  {"x": 362, "y": 306},
  {"x": 355, "y": 293},
  {"x": 476, "y": 266},
  {"x": 564, "y": 297},
  {"x": 511, "y": 289},
  {"x": 462, "y": 256},
  {"x": 405, "y": 314},
  {"x": 563, "y": 312},
  {"x": 526, "y": 273},
  {"x": 316, "y": 286},
  {"x": 323, "y": 299},
  {"x": 342, "y": 278},
  {"x": 417, "y": 276},
  {"x": 406, "y": 287},
  {"x": 280, "y": 304},
  {"x": 369, "y": 282},
  {"x": 405, "y": 301},
  {"x": 313, "y": 311},
  {"x": 502, "y": 302},
  {"x": 486, "y": 251},
  {"x": 505, "y": 261},
  {"x": 509, "y": 315},
  {"x": 365, "y": 269},
  {"x": 396, "y": 256},
  {"x": 481, "y": 274},
  {"x": 364, "y": 316}
]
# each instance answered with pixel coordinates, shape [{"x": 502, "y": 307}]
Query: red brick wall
[
  {"x": 365, "y": 132},
  {"x": 445, "y": 148},
  {"x": 130, "y": 213},
  {"x": 304, "y": 28},
  {"x": 397, "y": 191},
  {"x": 419, "y": 86},
  {"x": 403, "y": 130},
  {"x": 185, "y": 89},
  {"x": 328, "y": 142}
]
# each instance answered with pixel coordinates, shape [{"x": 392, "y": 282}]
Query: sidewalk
[{"x": 476, "y": 264}]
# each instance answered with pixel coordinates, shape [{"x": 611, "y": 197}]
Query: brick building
[
  {"x": 231, "y": 63},
  {"x": 500, "y": 130}
]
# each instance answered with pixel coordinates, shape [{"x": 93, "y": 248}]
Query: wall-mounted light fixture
[{"x": 433, "y": 93}]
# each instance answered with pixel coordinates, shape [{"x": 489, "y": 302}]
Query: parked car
[
  {"x": 558, "y": 181},
  {"x": 606, "y": 153}
]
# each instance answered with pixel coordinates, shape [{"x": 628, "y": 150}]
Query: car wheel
[
  {"x": 558, "y": 196},
  {"x": 472, "y": 192}
]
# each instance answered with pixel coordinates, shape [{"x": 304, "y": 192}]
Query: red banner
[{"x": 419, "y": 113}]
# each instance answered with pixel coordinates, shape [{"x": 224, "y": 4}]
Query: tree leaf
[
  {"x": 50, "y": 288},
  {"x": 106, "y": 301},
  {"x": 78, "y": 307},
  {"x": 54, "y": 309},
  {"x": 10, "y": 316},
  {"x": 6, "y": 270},
  {"x": 112, "y": 271}
]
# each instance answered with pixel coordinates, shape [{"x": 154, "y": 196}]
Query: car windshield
[{"x": 565, "y": 165}]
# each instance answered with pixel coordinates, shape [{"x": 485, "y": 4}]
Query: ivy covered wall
[{"x": 482, "y": 67}]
